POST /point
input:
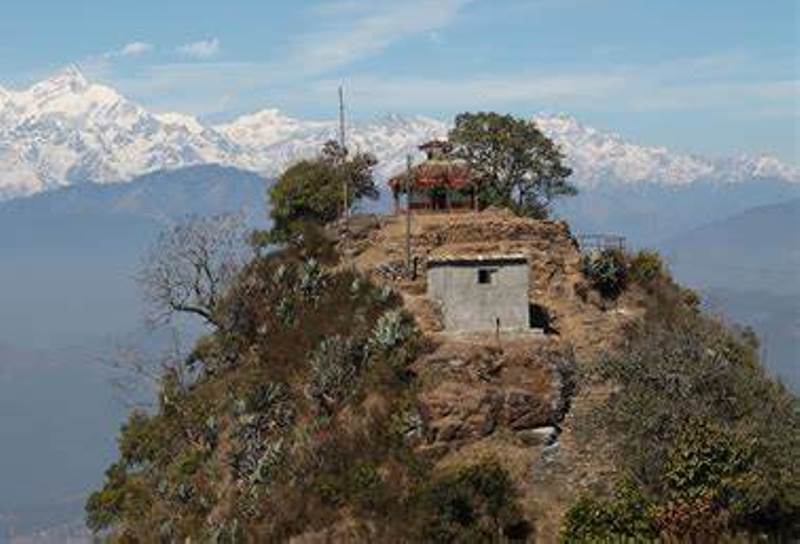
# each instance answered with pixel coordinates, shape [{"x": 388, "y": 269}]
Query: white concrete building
[{"x": 481, "y": 292}]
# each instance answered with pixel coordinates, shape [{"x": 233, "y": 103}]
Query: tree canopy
[
  {"x": 312, "y": 190},
  {"x": 513, "y": 163}
]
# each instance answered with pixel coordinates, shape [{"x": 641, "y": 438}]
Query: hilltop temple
[{"x": 440, "y": 183}]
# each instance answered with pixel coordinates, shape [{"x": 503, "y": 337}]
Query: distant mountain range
[
  {"x": 66, "y": 130},
  {"x": 756, "y": 250},
  {"x": 747, "y": 267}
]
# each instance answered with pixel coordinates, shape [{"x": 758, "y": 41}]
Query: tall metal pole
[
  {"x": 343, "y": 143},
  {"x": 408, "y": 215}
]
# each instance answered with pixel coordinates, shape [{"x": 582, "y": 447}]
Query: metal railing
[{"x": 600, "y": 242}]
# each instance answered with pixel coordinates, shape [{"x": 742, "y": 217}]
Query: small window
[{"x": 485, "y": 275}]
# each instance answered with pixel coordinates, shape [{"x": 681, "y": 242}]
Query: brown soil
[{"x": 484, "y": 396}]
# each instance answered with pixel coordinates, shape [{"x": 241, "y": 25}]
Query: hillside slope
[{"x": 330, "y": 405}]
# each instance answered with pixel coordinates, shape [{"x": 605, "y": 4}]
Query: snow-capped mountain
[
  {"x": 270, "y": 141},
  {"x": 66, "y": 130},
  {"x": 597, "y": 157}
]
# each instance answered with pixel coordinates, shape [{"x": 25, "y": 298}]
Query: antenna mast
[
  {"x": 343, "y": 143},
  {"x": 409, "y": 175}
]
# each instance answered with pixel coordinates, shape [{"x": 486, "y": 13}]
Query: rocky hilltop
[
  {"x": 505, "y": 397},
  {"x": 331, "y": 405}
]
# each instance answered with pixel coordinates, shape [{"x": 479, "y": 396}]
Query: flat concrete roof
[{"x": 477, "y": 259}]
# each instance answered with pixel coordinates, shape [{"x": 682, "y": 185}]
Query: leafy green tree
[
  {"x": 312, "y": 190},
  {"x": 513, "y": 163}
]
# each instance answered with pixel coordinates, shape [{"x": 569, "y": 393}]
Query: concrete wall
[{"x": 468, "y": 305}]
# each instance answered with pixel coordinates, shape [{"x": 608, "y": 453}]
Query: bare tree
[{"x": 190, "y": 266}]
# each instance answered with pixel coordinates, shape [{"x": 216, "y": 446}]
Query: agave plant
[
  {"x": 271, "y": 459},
  {"x": 391, "y": 330},
  {"x": 334, "y": 365},
  {"x": 312, "y": 279}
]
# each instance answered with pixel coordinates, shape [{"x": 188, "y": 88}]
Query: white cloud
[
  {"x": 350, "y": 35},
  {"x": 135, "y": 48},
  {"x": 131, "y": 49},
  {"x": 203, "y": 49}
]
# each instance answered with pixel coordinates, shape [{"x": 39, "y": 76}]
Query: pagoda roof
[
  {"x": 435, "y": 173},
  {"x": 436, "y": 144}
]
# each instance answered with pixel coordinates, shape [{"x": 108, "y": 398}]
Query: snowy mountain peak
[
  {"x": 68, "y": 80},
  {"x": 600, "y": 157},
  {"x": 744, "y": 167},
  {"x": 272, "y": 116},
  {"x": 266, "y": 127},
  {"x": 769, "y": 166},
  {"x": 67, "y": 130},
  {"x": 180, "y": 120},
  {"x": 66, "y": 94}
]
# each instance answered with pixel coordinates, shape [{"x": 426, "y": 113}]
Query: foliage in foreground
[
  {"x": 301, "y": 417},
  {"x": 707, "y": 443},
  {"x": 607, "y": 270}
]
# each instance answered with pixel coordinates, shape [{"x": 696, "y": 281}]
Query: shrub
[
  {"x": 704, "y": 433},
  {"x": 310, "y": 191},
  {"x": 270, "y": 461},
  {"x": 106, "y": 507},
  {"x": 607, "y": 271},
  {"x": 473, "y": 504},
  {"x": 644, "y": 267},
  {"x": 390, "y": 330},
  {"x": 334, "y": 369},
  {"x": 625, "y": 515},
  {"x": 141, "y": 441},
  {"x": 705, "y": 480}
]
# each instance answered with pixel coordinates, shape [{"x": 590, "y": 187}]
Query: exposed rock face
[{"x": 475, "y": 390}]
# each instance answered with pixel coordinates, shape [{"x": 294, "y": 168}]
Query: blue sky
[{"x": 711, "y": 76}]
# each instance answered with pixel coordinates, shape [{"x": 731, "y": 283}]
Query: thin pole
[
  {"x": 343, "y": 143},
  {"x": 408, "y": 215}
]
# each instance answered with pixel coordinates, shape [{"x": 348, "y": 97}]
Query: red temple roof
[{"x": 451, "y": 174}]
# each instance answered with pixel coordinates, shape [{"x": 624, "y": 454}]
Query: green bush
[
  {"x": 645, "y": 266},
  {"x": 607, "y": 270},
  {"x": 141, "y": 440},
  {"x": 107, "y": 506},
  {"x": 474, "y": 504},
  {"x": 705, "y": 482},
  {"x": 310, "y": 191},
  {"x": 625, "y": 515}
]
